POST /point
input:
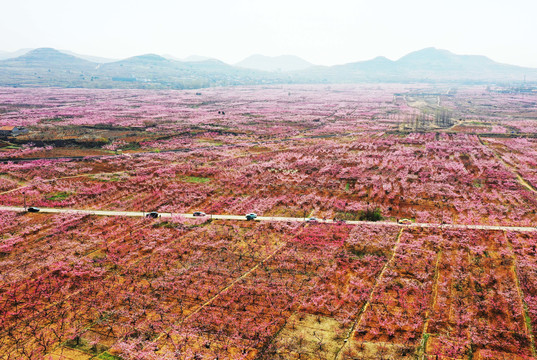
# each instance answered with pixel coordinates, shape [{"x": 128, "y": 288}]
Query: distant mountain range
[
  {"x": 49, "y": 67},
  {"x": 191, "y": 58},
  {"x": 8, "y": 55},
  {"x": 276, "y": 63}
]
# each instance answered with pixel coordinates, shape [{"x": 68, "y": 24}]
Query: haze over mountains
[
  {"x": 8, "y": 55},
  {"x": 274, "y": 63},
  {"x": 50, "y": 67}
]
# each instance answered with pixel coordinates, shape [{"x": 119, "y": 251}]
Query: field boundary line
[
  {"x": 59, "y": 302},
  {"x": 137, "y": 261},
  {"x": 523, "y": 305},
  {"x": 227, "y": 287},
  {"x": 510, "y": 167},
  {"x": 430, "y": 309},
  {"x": 358, "y": 320},
  {"x": 255, "y": 267}
]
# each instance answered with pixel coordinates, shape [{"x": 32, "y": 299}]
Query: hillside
[
  {"x": 50, "y": 67},
  {"x": 426, "y": 65},
  {"x": 12, "y": 54},
  {"x": 274, "y": 63}
]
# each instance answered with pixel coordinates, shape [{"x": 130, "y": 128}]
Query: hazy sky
[{"x": 324, "y": 32}]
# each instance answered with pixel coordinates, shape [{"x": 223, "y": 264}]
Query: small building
[{"x": 12, "y": 130}]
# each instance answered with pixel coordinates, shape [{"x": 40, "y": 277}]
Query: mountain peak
[
  {"x": 145, "y": 60},
  {"x": 427, "y": 54},
  {"x": 43, "y": 50},
  {"x": 433, "y": 59},
  {"x": 150, "y": 57},
  {"x": 51, "y": 67},
  {"x": 49, "y": 57},
  {"x": 382, "y": 59},
  {"x": 195, "y": 58},
  {"x": 45, "y": 53}
]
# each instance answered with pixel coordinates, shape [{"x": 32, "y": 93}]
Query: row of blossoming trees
[
  {"x": 77, "y": 286},
  {"x": 142, "y": 120},
  {"x": 445, "y": 178}
]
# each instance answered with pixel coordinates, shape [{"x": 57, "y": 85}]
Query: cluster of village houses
[{"x": 10, "y": 130}]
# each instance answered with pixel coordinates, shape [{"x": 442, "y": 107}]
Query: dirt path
[
  {"x": 523, "y": 305},
  {"x": 229, "y": 286},
  {"x": 225, "y": 289},
  {"x": 509, "y": 167},
  {"x": 358, "y": 320},
  {"x": 422, "y": 351}
]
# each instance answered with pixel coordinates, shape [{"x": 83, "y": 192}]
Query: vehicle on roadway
[
  {"x": 404, "y": 221},
  {"x": 339, "y": 221},
  {"x": 198, "y": 213},
  {"x": 251, "y": 216},
  {"x": 33, "y": 209},
  {"x": 152, "y": 214},
  {"x": 312, "y": 220}
]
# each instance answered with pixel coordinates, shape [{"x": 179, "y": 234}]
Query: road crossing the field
[{"x": 274, "y": 218}]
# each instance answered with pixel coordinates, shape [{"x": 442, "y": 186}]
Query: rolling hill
[
  {"x": 50, "y": 67},
  {"x": 281, "y": 63}
]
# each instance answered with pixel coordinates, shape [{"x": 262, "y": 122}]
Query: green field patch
[
  {"x": 347, "y": 215},
  {"x": 131, "y": 146},
  {"x": 476, "y": 123},
  {"x": 108, "y": 356},
  {"x": 478, "y": 183},
  {"x": 210, "y": 142},
  {"x": 59, "y": 196},
  {"x": 86, "y": 346},
  {"x": 371, "y": 214},
  {"x": 195, "y": 179},
  {"x": 167, "y": 225}
]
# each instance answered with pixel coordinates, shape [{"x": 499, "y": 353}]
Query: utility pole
[{"x": 443, "y": 208}]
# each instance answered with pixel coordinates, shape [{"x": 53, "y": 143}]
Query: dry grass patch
[
  {"x": 308, "y": 336},
  {"x": 365, "y": 350}
]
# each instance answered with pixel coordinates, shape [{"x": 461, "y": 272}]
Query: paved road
[{"x": 275, "y": 218}]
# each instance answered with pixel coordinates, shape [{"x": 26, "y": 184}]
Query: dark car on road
[
  {"x": 199, "y": 213},
  {"x": 152, "y": 214},
  {"x": 33, "y": 209},
  {"x": 251, "y": 216}
]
